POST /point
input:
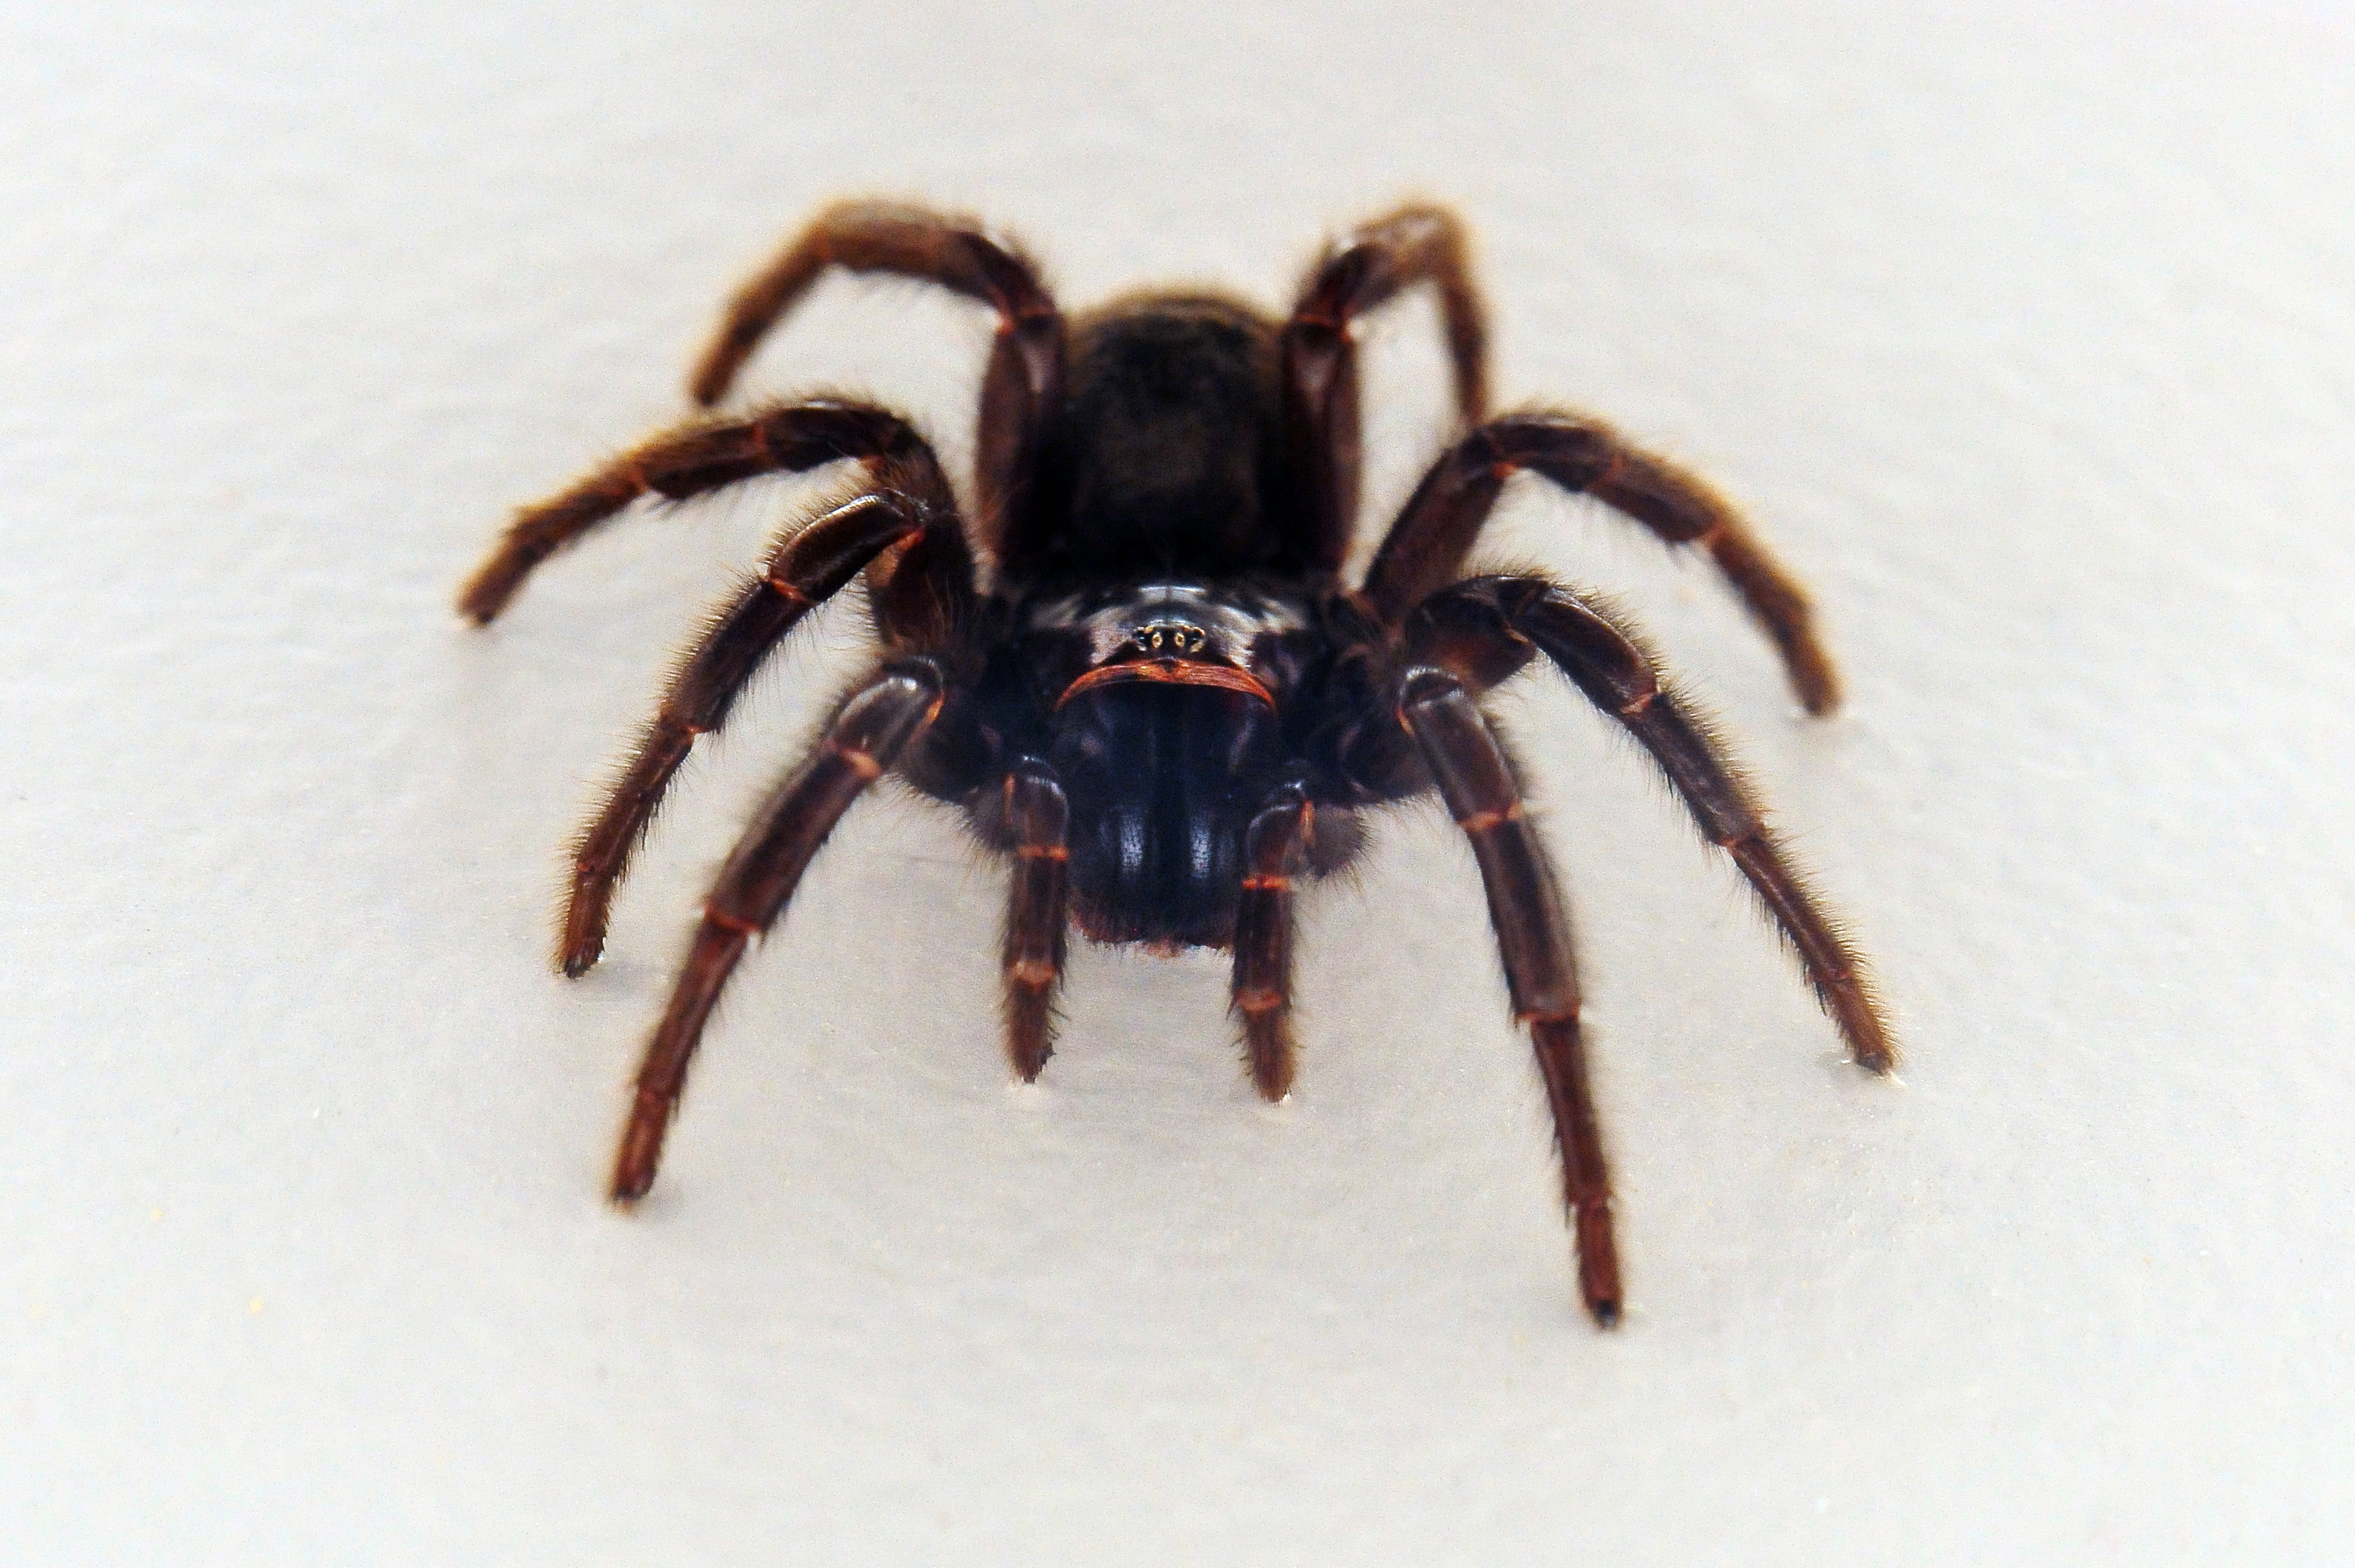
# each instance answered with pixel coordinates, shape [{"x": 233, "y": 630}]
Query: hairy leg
[
  {"x": 1415, "y": 244},
  {"x": 865, "y": 738},
  {"x": 1025, "y": 364},
  {"x": 1488, "y": 624},
  {"x": 1477, "y": 784},
  {"x": 1038, "y": 817},
  {"x": 1426, "y": 547},
  {"x": 807, "y": 569},
  {"x": 1275, "y": 849},
  {"x": 693, "y": 459}
]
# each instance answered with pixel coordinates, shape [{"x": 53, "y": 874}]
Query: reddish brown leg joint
[
  {"x": 661, "y": 1077},
  {"x": 1585, "y": 1176}
]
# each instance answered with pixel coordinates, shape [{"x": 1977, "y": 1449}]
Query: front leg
[
  {"x": 1275, "y": 849},
  {"x": 1533, "y": 938},
  {"x": 871, "y": 731},
  {"x": 807, "y": 569},
  {"x": 1485, "y": 627},
  {"x": 1038, "y": 815}
]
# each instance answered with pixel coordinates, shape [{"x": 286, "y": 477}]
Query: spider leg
[
  {"x": 807, "y": 569},
  {"x": 1477, "y": 784},
  {"x": 866, "y": 735},
  {"x": 1478, "y": 621},
  {"x": 1414, "y": 244},
  {"x": 1426, "y": 547},
  {"x": 694, "y": 459},
  {"x": 1040, "y": 818},
  {"x": 1025, "y": 363},
  {"x": 1274, "y": 848}
]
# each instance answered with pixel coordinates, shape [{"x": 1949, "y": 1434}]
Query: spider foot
[
  {"x": 1598, "y": 1264},
  {"x": 1268, "y": 1043},
  {"x": 1029, "y": 1020},
  {"x": 641, "y": 1141}
]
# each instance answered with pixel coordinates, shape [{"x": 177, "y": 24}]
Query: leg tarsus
[
  {"x": 661, "y": 1077},
  {"x": 640, "y": 1151},
  {"x": 602, "y": 853},
  {"x": 1585, "y": 1175},
  {"x": 539, "y": 531},
  {"x": 1029, "y": 1029},
  {"x": 1268, "y": 1045},
  {"x": 1841, "y": 986},
  {"x": 1598, "y": 1262}
]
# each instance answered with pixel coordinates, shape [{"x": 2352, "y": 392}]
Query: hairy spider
[{"x": 1163, "y": 703}]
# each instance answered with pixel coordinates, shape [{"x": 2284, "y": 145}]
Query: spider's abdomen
[
  {"x": 1157, "y": 777},
  {"x": 1166, "y": 454}
]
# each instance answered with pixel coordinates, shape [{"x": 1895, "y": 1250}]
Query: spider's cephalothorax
[{"x": 1166, "y": 706}]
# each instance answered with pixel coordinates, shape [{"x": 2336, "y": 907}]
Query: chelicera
[{"x": 1161, "y": 701}]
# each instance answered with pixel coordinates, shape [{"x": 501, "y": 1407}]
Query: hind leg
[
  {"x": 1415, "y": 244},
  {"x": 1025, "y": 364}
]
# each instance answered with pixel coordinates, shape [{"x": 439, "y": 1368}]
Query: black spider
[{"x": 1166, "y": 705}]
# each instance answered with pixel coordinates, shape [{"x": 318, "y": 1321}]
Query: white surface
[{"x": 2030, "y": 341}]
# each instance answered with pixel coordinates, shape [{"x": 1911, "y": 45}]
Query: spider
[{"x": 1163, "y": 703}]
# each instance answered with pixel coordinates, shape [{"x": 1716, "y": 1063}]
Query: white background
[{"x": 2029, "y": 340}]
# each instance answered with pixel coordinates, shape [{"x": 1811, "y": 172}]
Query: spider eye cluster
[{"x": 1171, "y": 637}]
